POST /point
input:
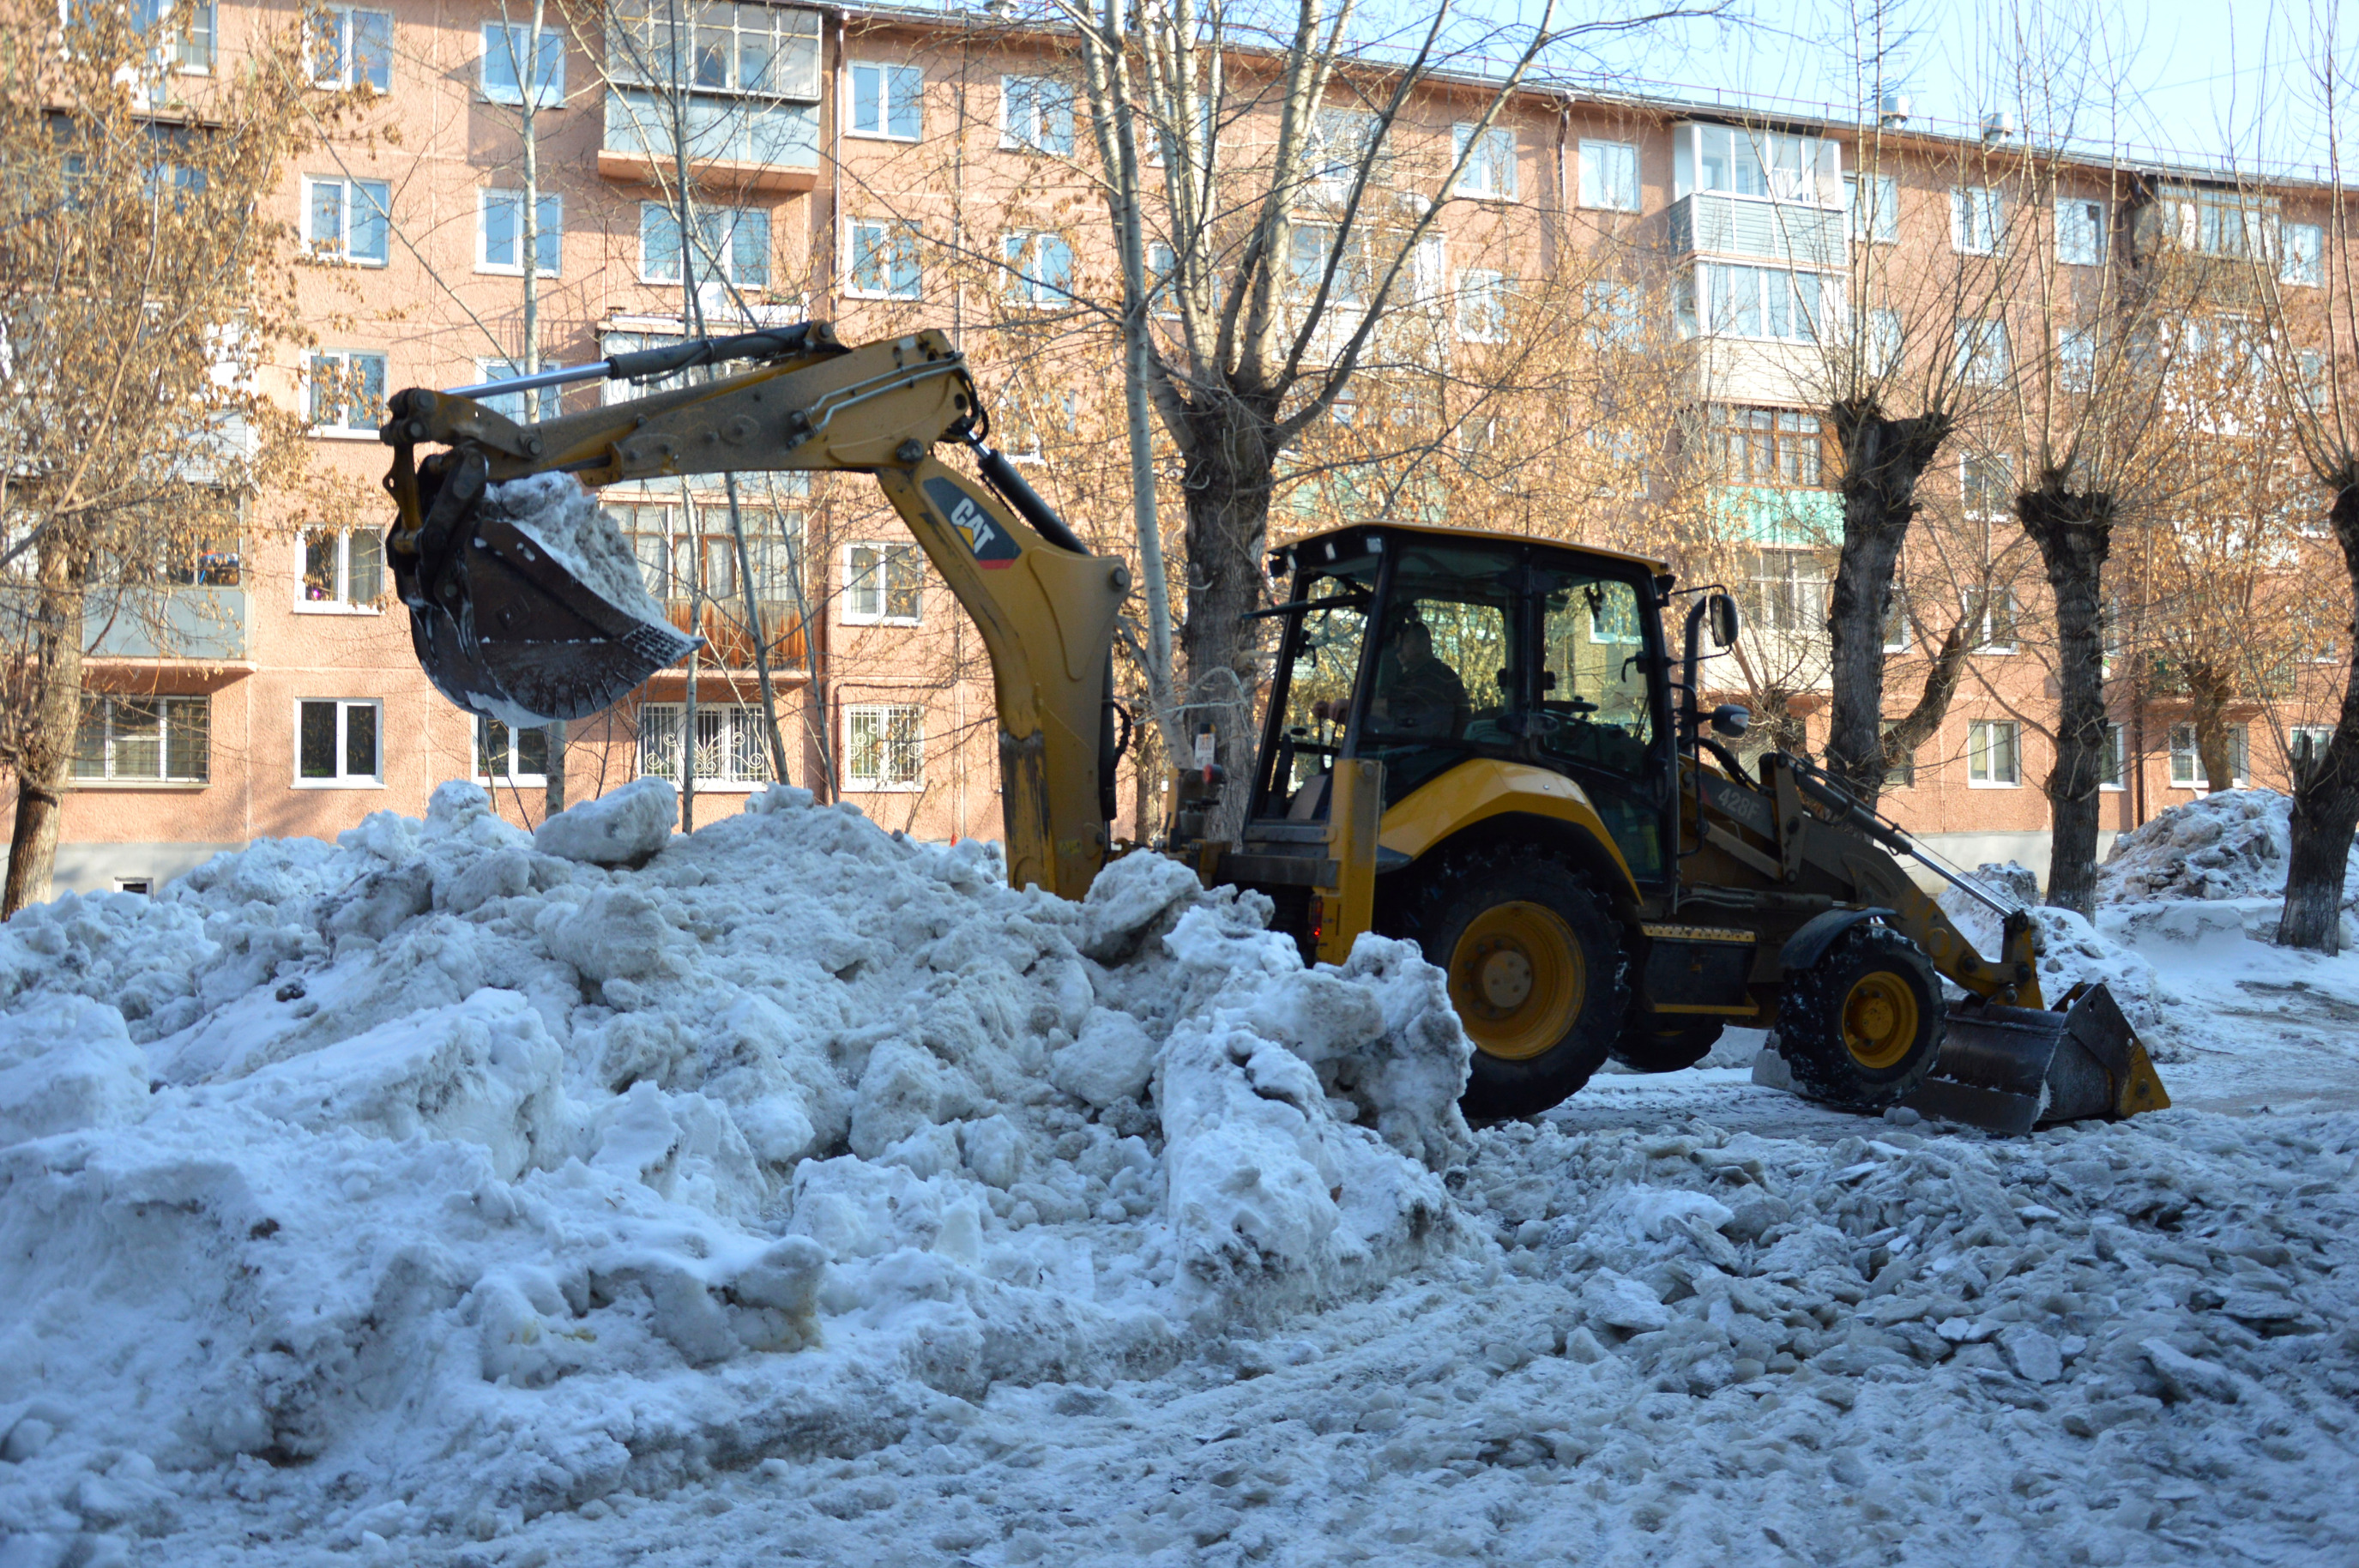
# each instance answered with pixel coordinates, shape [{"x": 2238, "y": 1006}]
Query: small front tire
[{"x": 1859, "y": 1030}]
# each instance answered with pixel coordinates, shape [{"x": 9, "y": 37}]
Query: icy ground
[{"x": 538, "y": 1241}]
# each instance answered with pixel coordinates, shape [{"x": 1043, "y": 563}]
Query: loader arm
[{"x": 1044, "y": 606}]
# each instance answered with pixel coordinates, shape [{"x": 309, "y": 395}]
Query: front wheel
[
  {"x": 1537, "y": 974},
  {"x": 1859, "y": 1028}
]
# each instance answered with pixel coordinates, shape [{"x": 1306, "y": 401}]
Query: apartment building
[{"x": 884, "y": 167}]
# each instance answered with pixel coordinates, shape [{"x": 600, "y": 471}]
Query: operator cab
[{"x": 1425, "y": 648}]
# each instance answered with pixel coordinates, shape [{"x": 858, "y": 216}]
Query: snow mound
[
  {"x": 448, "y": 1164},
  {"x": 2071, "y": 951},
  {"x": 556, "y": 513},
  {"x": 2233, "y": 845}
]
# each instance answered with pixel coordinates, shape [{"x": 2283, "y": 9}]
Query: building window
[
  {"x": 2113, "y": 759},
  {"x": 2187, "y": 760},
  {"x": 1609, "y": 176},
  {"x": 766, "y": 49},
  {"x": 883, "y": 264},
  {"x": 731, "y": 242},
  {"x": 1896, "y": 621},
  {"x": 2307, "y": 745},
  {"x": 1983, "y": 358},
  {"x": 1875, "y": 202},
  {"x": 509, "y": 405},
  {"x": 2076, "y": 358},
  {"x": 1993, "y": 755},
  {"x": 347, "y": 391},
  {"x": 1481, "y": 306},
  {"x": 1900, "y": 774},
  {"x": 1040, "y": 268},
  {"x": 1036, "y": 114},
  {"x": 1614, "y": 316},
  {"x": 1343, "y": 141},
  {"x": 678, "y": 565},
  {"x": 1489, "y": 173},
  {"x": 1977, "y": 219},
  {"x": 886, "y": 100},
  {"x": 1884, "y": 342},
  {"x": 499, "y": 231},
  {"x": 504, "y": 755},
  {"x": 347, "y": 47},
  {"x": 1761, "y": 164},
  {"x": 144, "y": 740},
  {"x": 337, "y": 743},
  {"x": 342, "y": 569},
  {"x": 884, "y": 746},
  {"x": 2079, "y": 231},
  {"x": 349, "y": 221},
  {"x": 1782, "y": 447},
  {"x": 507, "y": 46},
  {"x": 731, "y": 744},
  {"x": 1762, "y": 302},
  {"x": 1790, "y": 591},
  {"x": 2304, "y": 256},
  {"x": 882, "y": 584},
  {"x": 1986, "y": 485},
  {"x": 1990, "y": 619}
]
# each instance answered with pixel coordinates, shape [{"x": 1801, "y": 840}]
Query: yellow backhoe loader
[{"x": 1480, "y": 742}]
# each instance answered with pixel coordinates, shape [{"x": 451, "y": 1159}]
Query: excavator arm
[{"x": 507, "y": 624}]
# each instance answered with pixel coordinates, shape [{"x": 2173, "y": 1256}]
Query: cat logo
[{"x": 985, "y": 540}]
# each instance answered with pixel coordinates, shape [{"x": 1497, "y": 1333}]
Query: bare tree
[{"x": 140, "y": 282}]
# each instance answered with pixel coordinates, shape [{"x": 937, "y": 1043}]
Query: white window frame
[
  {"x": 726, "y": 248},
  {"x": 1985, "y": 623},
  {"x": 852, "y": 576},
  {"x": 740, "y": 732},
  {"x": 344, "y": 358},
  {"x": 2076, "y": 358},
  {"x": 1884, "y": 340},
  {"x": 2082, "y": 231},
  {"x": 342, "y": 80},
  {"x": 887, "y": 232},
  {"x": 1977, "y": 364},
  {"x": 1765, "y": 280},
  {"x": 1018, "y": 249},
  {"x": 163, "y": 778},
  {"x": 508, "y": 773},
  {"x": 1898, "y": 613},
  {"x": 877, "y": 784},
  {"x": 2301, "y": 263},
  {"x": 2185, "y": 756},
  {"x": 2115, "y": 749},
  {"x": 549, "y": 231},
  {"x": 1482, "y": 312},
  {"x": 501, "y": 41},
  {"x": 338, "y": 249},
  {"x": 879, "y": 95},
  {"x": 1884, "y": 216},
  {"x": 1979, "y": 733},
  {"x": 1977, "y": 220},
  {"x": 1601, "y": 161},
  {"x": 2319, "y": 735},
  {"x": 1490, "y": 174},
  {"x": 340, "y": 602},
  {"x": 1040, "y": 97},
  {"x": 342, "y": 780}
]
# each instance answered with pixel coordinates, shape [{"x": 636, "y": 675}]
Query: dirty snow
[
  {"x": 803, "y": 1194},
  {"x": 2233, "y": 845},
  {"x": 558, "y": 514}
]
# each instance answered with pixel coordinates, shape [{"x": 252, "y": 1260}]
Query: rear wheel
[
  {"x": 1537, "y": 974},
  {"x": 1860, "y": 1028}
]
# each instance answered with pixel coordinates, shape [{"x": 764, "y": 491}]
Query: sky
[{"x": 2178, "y": 80}]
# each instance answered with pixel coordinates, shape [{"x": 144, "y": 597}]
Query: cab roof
[{"x": 1352, "y": 540}]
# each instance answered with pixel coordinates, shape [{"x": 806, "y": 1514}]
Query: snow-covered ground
[{"x": 796, "y": 1192}]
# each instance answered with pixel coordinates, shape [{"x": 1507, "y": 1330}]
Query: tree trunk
[
  {"x": 2326, "y": 801},
  {"x": 2209, "y": 690},
  {"x": 1882, "y": 460},
  {"x": 44, "y": 768},
  {"x": 1923, "y": 722},
  {"x": 2074, "y": 533},
  {"x": 1229, "y": 473}
]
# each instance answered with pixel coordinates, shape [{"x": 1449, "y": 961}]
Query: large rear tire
[
  {"x": 1860, "y": 1028},
  {"x": 1537, "y": 974}
]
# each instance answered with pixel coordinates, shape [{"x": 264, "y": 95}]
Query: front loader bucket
[
  {"x": 504, "y": 626},
  {"x": 2007, "y": 1070}
]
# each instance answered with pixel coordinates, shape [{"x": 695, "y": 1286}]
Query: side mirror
[
  {"x": 1730, "y": 720},
  {"x": 1724, "y": 624}
]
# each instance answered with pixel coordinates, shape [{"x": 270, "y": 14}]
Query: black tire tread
[{"x": 1822, "y": 1068}]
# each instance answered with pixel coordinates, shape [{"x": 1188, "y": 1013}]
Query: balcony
[
  {"x": 733, "y": 143},
  {"x": 183, "y": 624},
  {"x": 1790, "y": 234}
]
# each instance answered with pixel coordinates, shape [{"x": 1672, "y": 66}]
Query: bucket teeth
[{"x": 2007, "y": 1070}]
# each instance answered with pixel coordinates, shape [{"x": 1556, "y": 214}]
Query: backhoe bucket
[
  {"x": 505, "y": 625},
  {"x": 2007, "y": 1070}
]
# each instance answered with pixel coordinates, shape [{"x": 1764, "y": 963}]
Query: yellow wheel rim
[
  {"x": 1517, "y": 980},
  {"x": 1879, "y": 1019}
]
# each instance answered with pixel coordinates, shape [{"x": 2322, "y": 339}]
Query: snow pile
[
  {"x": 2233, "y": 845},
  {"x": 556, "y": 513},
  {"x": 2071, "y": 951},
  {"x": 440, "y": 1170}
]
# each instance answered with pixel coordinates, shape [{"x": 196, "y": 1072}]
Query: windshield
[{"x": 1325, "y": 663}]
